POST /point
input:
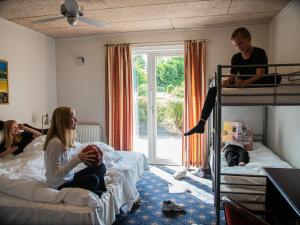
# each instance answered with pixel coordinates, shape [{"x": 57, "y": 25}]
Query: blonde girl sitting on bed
[
  {"x": 61, "y": 159},
  {"x": 14, "y": 140}
]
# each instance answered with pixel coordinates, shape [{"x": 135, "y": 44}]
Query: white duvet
[
  {"x": 23, "y": 176},
  {"x": 259, "y": 157}
]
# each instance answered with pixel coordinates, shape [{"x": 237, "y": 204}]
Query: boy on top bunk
[{"x": 247, "y": 55}]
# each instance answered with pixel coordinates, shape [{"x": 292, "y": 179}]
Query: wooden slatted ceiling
[{"x": 141, "y": 15}]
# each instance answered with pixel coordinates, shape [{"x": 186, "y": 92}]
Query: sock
[{"x": 199, "y": 128}]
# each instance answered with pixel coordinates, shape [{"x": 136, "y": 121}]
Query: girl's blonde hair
[
  {"x": 60, "y": 127},
  {"x": 9, "y": 139}
]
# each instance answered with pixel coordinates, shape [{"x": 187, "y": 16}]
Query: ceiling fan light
[{"x": 72, "y": 20}]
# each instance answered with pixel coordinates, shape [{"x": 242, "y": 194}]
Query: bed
[
  {"x": 246, "y": 184},
  {"x": 284, "y": 95},
  {"x": 25, "y": 199},
  {"x": 287, "y": 93}
]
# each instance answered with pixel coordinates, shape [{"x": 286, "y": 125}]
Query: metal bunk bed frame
[{"x": 217, "y": 120}]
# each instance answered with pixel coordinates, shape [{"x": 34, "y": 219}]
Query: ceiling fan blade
[
  {"x": 94, "y": 22},
  {"x": 48, "y": 19},
  {"x": 71, "y": 6}
]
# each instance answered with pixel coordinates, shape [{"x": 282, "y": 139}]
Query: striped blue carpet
[{"x": 154, "y": 189}]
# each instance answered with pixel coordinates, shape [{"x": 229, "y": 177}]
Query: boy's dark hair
[{"x": 241, "y": 31}]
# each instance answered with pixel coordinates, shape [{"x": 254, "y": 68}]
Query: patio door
[{"x": 158, "y": 96}]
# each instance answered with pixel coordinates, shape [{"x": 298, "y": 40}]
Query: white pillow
[{"x": 1, "y": 137}]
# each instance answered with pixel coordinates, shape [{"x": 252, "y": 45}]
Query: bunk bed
[{"x": 247, "y": 184}]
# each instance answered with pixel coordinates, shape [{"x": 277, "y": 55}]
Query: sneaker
[
  {"x": 170, "y": 205},
  {"x": 179, "y": 174}
]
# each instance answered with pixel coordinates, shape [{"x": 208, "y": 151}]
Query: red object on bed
[{"x": 94, "y": 150}]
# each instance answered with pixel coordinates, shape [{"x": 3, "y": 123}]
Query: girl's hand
[
  {"x": 87, "y": 157},
  {"x": 21, "y": 126},
  {"x": 12, "y": 149}
]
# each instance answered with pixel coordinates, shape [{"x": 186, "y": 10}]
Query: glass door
[{"x": 158, "y": 97}]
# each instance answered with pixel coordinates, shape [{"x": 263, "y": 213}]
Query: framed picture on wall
[{"x": 3, "y": 82}]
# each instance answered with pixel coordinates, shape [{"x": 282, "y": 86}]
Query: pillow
[
  {"x": 1, "y": 136},
  {"x": 105, "y": 147}
]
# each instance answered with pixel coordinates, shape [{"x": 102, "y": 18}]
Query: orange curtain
[
  {"x": 119, "y": 97},
  {"x": 194, "y": 148}
]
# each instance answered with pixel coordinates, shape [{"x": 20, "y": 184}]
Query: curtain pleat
[
  {"x": 119, "y": 97},
  {"x": 194, "y": 146}
]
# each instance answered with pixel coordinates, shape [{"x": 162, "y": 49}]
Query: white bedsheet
[
  {"x": 260, "y": 157},
  {"x": 22, "y": 187}
]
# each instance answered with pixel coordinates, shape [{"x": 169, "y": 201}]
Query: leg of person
[
  {"x": 98, "y": 171},
  {"x": 243, "y": 157},
  {"x": 231, "y": 158},
  {"x": 232, "y": 155},
  {"x": 84, "y": 179},
  {"x": 206, "y": 111}
]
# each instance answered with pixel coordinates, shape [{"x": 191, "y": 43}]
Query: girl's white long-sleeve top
[{"x": 59, "y": 163}]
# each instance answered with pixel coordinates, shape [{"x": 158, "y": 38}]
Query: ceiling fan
[{"x": 72, "y": 12}]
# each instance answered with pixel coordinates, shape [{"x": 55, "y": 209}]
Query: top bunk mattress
[{"x": 285, "y": 95}]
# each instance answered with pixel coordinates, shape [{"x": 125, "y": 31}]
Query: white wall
[
  {"x": 32, "y": 75},
  {"x": 89, "y": 78},
  {"x": 284, "y": 47}
]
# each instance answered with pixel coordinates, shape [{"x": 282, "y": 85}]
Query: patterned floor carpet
[{"x": 196, "y": 194}]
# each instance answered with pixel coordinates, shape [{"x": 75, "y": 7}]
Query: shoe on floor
[
  {"x": 170, "y": 205},
  {"x": 180, "y": 174}
]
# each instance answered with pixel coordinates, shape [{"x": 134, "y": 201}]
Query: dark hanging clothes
[{"x": 235, "y": 154}]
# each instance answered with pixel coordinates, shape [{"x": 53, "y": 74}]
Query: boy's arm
[{"x": 259, "y": 74}]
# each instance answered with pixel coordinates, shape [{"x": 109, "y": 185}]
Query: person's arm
[
  {"x": 229, "y": 80},
  {"x": 55, "y": 164},
  {"x": 259, "y": 74},
  {"x": 35, "y": 133},
  {"x": 55, "y": 152},
  {"x": 8, "y": 151}
]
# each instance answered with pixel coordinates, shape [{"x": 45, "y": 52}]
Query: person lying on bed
[
  {"x": 15, "y": 140},
  {"x": 60, "y": 157},
  {"x": 235, "y": 153},
  {"x": 248, "y": 55}
]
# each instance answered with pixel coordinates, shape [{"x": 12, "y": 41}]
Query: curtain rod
[{"x": 156, "y": 42}]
